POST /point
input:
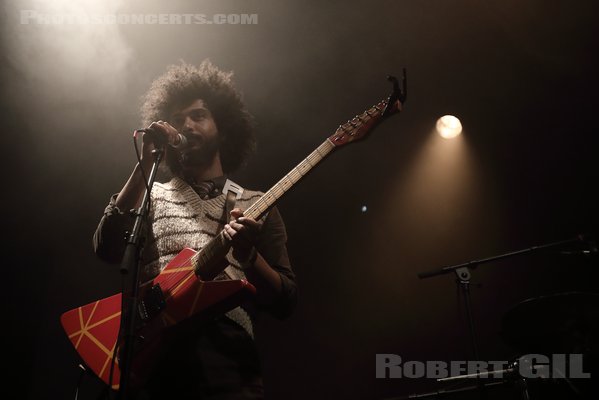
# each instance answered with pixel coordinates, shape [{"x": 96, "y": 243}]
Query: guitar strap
[
  {"x": 233, "y": 192},
  {"x": 229, "y": 206}
]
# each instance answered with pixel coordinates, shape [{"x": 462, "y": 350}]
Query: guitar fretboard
[
  {"x": 262, "y": 205},
  {"x": 258, "y": 208},
  {"x": 219, "y": 246}
]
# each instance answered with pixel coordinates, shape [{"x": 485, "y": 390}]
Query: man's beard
[{"x": 198, "y": 154}]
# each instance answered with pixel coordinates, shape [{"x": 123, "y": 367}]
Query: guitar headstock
[{"x": 359, "y": 126}]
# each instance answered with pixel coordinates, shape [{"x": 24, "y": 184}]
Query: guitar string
[
  {"x": 314, "y": 158},
  {"x": 276, "y": 191}
]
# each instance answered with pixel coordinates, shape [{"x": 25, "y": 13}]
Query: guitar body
[{"x": 93, "y": 329}]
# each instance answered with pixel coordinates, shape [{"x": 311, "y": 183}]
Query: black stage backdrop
[{"x": 521, "y": 75}]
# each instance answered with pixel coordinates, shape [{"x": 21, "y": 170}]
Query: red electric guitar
[{"x": 185, "y": 289}]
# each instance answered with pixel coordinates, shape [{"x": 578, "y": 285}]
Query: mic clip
[{"x": 160, "y": 140}]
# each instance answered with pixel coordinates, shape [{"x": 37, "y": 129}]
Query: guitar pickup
[{"x": 152, "y": 303}]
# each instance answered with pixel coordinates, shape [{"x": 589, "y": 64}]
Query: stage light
[{"x": 449, "y": 126}]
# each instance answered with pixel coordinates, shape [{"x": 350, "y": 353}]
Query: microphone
[{"x": 161, "y": 140}]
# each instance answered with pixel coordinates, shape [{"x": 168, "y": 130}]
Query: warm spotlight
[{"x": 449, "y": 126}]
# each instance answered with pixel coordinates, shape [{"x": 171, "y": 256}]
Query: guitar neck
[
  {"x": 206, "y": 262},
  {"x": 365, "y": 121},
  {"x": 263, "y": 204}
]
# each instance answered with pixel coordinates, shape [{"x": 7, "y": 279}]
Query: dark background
[{"x": 522, "y": 76}]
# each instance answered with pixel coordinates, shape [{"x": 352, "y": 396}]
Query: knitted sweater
[{"x": 181, "y": 219}]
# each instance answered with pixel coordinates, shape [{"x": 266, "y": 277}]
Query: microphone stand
[
  {"x": 476, "y": 263},
  {"x": 130, "y": 273},
  {"x": 513, "y": 370},
  {"x": 443, "y": 393},
  {"x": 464, "y": 273}
]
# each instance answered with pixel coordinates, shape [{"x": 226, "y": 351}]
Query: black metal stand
[
  {"x": 442, "y": 393},
  {"x": 476, "y": 263},
  {"x": 130, "y": 273},
  {"x": 512, "y": 373},
  {"x": 464, "y": 274}
]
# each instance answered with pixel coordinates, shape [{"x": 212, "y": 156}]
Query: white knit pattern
[{"x": 181, "y": 219}]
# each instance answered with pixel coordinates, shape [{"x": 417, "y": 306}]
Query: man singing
[{"x": 217, "y": 359}]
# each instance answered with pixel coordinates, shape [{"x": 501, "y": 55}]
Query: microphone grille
[{"x": 182, "y": 142}]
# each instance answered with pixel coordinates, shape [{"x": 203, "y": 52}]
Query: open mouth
[{"x": 193, "y": 142}]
